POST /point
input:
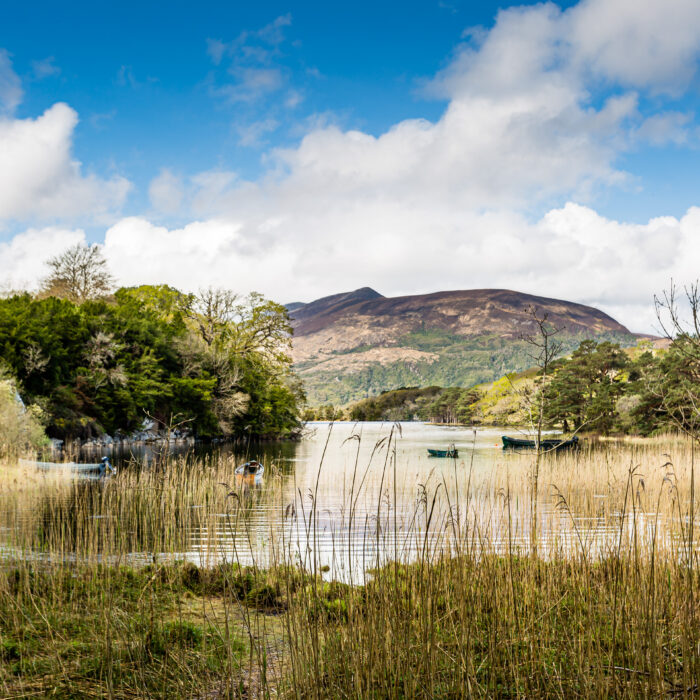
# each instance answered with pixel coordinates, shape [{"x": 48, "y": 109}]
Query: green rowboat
[
  {"x": 517, "y": 443},
  {"x": 451, "y": 452}
]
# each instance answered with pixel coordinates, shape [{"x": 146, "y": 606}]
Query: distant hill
[{"x": 357, "y": 344}]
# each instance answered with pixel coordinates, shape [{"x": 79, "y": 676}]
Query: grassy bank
[
  {"x": 459, "y": 604},
  {"x": 159, "y": 631},
  {"x": 499, "y": 627}
]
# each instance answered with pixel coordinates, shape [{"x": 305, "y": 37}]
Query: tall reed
[{"x": 182, "y": 580}]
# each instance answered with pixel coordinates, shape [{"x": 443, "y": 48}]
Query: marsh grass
[{"x": 441, "y": 594}]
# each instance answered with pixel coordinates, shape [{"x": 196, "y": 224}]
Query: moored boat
[
  {"x": 102, "y": 468},
  {"x": 451, "y": 451},
  {"x": 548, "y": 444}
]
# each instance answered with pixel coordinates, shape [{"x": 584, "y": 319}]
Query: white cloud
[
  {"x": 664, "y": 128},
  {"x": 166, "y": 192},
  {"x": 23, "y": 258},
  {"x": 202, "y": 253},
  {"x": 250, "y": 70},
  {"x": 642, "y": 43},
  {"x": 39, "y": 179},
  {"x": 10, "y": 85},
  {"x": 449, "y": 204}
]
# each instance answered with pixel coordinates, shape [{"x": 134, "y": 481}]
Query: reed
[{"x": 162, "y": 583}]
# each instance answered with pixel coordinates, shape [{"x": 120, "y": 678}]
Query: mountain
[
  {"x": 331, "y": 306},
  {"x": 357, "y": 344}
]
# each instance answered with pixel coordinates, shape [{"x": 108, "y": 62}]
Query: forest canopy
[{"x": 216, "y": 363}]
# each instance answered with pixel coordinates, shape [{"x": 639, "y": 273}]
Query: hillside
[{"x": 357, "y": 344}]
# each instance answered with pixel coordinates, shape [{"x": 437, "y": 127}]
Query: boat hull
[
  {"x": 62, "y": 467},
  {"x": 443, "y": 453},
  {"x": 520, "y": 444}
]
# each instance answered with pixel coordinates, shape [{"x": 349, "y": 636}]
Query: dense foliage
[
  {"x": 20, "y": 426},
  {"x": 587, "y": 386},
  {"x": 604, "y": 389},
  {"x": 433, "y": 403},
  {"x": 212, "y": 364}
]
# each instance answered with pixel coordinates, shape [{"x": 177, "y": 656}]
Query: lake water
[{"x": 351, "y": 496}]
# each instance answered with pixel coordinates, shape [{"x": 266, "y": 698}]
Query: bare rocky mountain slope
[{"x": 357, "y": 344}]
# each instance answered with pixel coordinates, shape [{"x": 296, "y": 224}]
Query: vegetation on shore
[{"x": 209, "y": 365}]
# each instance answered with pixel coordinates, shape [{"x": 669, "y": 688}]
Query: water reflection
[{"x": 347, "y": 498}]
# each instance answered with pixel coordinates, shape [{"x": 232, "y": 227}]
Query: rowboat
[
  {"x": 100, "y": 468},
  {"x": 252, "y": 468},
  {"x": 549, "y": 444},
  {"x": 450, "y": 452}
]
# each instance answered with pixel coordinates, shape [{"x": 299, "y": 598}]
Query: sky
[{"x": 312, "y": 148}]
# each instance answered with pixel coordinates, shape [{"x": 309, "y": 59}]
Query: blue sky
[{"x": 305, "y": 148}]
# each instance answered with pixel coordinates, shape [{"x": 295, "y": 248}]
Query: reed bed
[{"x": 159, "y": 584}]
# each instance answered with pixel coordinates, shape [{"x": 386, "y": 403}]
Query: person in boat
[
  {"x": 251, "y": 467},
  {"x": 106, "y": 468}
]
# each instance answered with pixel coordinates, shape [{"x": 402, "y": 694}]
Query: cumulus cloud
[
  {"x": 40, "y": 179},
  {"x": 645, "y": 43},
  {"x": 23, "y": 258}
]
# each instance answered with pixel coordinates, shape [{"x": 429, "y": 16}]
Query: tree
[
  {"x": 677, "y": 381},
  {"x": 245, "y": 345},
  {"x": 545, "y": 349},
  {"x": 584, "y": 389},
  {"x": 78, "y": 274},
  {"x": 104, "y": 365}
]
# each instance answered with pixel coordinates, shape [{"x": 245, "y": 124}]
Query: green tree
[
  {"x": 106, "y": 365},
  {"x": 584, "y": 389}
]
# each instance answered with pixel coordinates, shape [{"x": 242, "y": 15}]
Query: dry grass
[{"x": 457, "y": 603}]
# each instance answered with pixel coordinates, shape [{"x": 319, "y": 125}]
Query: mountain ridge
[
  {"x": 356, "y": 344},
  {"x": 328, "y": 308}
]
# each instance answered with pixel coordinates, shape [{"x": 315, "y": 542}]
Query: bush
[{"x": 20, "y": 426}]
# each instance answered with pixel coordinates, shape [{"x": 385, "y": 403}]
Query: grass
[
  {"x": 158, "y": 631},
  {"x": 455, "y": 601}
]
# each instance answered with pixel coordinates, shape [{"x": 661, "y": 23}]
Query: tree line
[
  {"x": 600, "y": 388},
  {"x": 90, "y": 360},
  {"x": 435, "y": 404}
]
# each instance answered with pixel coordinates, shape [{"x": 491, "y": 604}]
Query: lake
[{"x": 347, "y": 498}]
